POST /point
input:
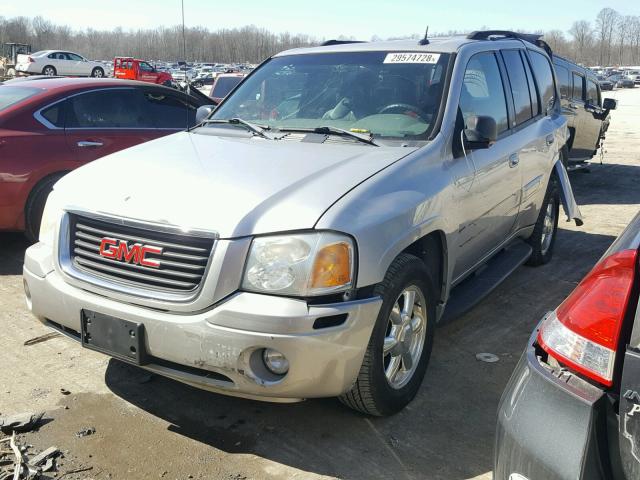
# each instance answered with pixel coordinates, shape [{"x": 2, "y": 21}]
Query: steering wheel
[{"x": 405, "y": 106}]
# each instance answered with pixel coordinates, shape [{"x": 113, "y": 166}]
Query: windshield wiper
[
  {"x": 329, "y": 130},
  {"x": 257, "y": 129}
]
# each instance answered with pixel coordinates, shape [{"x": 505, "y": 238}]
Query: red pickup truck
[{"x": 129, "y": 68}]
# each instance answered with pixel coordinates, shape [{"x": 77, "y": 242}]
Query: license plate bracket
[{"x": 113, "y": 336}]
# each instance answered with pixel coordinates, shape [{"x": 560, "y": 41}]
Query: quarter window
[
  {"x": 54, "y": 114},
  {"x": 482, "y": 90},
  {"x": 578, "y": 82},
  {"x": 544, "y": 77},
  {"x": 519, "y": 85}
]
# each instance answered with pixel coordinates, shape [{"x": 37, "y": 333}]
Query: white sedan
[{"x": 56, "y": 62}]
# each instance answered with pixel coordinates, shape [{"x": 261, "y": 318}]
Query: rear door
[
  {"x": 592, "y": 120},
  {"x": 582, "y": 146},
  {"x": 60, "y": 62},
  {"x": 104, "y": 121}
]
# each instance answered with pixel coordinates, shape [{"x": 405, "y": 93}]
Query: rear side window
[
  {"x": 592, "y": 93},
  {"x": 482, "y": 90},
  {"x": 115, "y": 108},
  {"x": 519, "y": 85},
  {"x": 578, "y": 87},
  {"x": 544, "y": 78},
  {"x": 168, "y": 111},
  {"x": 12, "y": 95},
  {"x": 564, "y": 81}
]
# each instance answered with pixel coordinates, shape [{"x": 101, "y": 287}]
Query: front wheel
[
  {"x": 400, "y": 345},
  {"x": 543, "y": 238},
  {"x": 97, "y": 72}
]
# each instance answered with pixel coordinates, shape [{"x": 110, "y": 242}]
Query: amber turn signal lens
[{"x": 332, "y": 266}]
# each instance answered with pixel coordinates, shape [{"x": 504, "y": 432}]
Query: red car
[
  {"x": 49, "y": 127},
  {"x": 129, "y": 68}
]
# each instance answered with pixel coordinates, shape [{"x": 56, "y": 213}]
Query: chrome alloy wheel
[
  {"x": 548, "y": 228},
  {"x": 405, "y": 336}
]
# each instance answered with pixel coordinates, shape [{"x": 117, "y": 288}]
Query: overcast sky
[{"x": 321, "y": 18}]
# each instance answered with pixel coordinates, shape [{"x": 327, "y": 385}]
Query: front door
[
  {"x": 489, "y": 192},
  {"x": 583, "y": 144}
]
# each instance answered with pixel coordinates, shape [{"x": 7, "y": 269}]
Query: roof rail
[
  {"x": 533, "y": 38},
  {"x": 339, "y": 42}
]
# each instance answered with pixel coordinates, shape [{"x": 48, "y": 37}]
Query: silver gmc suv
[{"x": 305, "y": 239}]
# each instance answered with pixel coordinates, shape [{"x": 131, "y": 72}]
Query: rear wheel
[
  {"x": 49, "y": 71},
  {"x": 35, "y": 206},
  {"x": 543, "y": 238},
  {"x": 400, "y": 345},
  {"x": 97, "y": 72}
]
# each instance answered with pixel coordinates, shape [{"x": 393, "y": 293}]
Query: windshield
[
  {"x": 395, "y": 95},
  {"x": 12, "y": 95}
]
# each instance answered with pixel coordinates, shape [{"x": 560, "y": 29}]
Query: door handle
[
  {"x": 514, "y": 159},
  {"x": 86, "y": 143},
  {"x": 550, "y": 139}
]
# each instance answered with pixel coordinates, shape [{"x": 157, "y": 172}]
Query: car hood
[{"x": 235, "y": 186}]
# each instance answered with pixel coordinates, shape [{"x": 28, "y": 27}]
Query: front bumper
[
  {"x": 548, "y": 424},
  {"x": 215, "y": 349}
]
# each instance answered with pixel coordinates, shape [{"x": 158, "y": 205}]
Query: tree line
[{"x": 611, "y": 39}]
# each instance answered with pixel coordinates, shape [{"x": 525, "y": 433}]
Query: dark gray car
[{"x": 572, "y": 407}]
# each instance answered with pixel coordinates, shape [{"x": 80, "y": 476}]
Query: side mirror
[
  {"x": 203, "y": 112},
  {"x": 609, "y": 104},
  {"x": 481, "y": 132}
]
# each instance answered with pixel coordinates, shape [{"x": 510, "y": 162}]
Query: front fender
[{"x": 569, "y": 204}]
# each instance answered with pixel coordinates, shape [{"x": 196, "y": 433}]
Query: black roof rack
[
  {"x": 533, "y": 38},
  {"x": 339, "y": 42}
]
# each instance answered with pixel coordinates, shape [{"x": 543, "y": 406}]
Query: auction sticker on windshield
[{"x": 411, "y": 57}]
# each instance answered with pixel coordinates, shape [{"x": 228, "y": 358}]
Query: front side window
[
  {"x": 116, "y": 108},
  {"x": 386, "y": 94},
  {"x": 519, "y": 85},
  {"x": 144, "y": 66},
  {"x": 482, "y": 90},
  {"x": 578, "y": 87},
  {"x": 74, "y": 57},
  {"x": 168, "y": 111},
  {"x": 544, "y": 78},
  {"x": 592, "y": 93}
]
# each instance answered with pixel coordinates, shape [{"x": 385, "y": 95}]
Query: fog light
[
  {"x": 27, "y": 294},
  {"x": 275, "y": 361}
]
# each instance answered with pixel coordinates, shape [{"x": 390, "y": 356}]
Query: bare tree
[
  {"x": 605, "y": 25},
  {"x": 582, "y": 34}
]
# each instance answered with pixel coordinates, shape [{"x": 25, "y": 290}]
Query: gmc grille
[{"x": 183, "y": 259}]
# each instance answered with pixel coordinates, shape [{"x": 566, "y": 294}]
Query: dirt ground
[{"x": 150, "y": 427}]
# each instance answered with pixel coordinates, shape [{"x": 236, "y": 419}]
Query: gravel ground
[{"x": 151, "y": 427}]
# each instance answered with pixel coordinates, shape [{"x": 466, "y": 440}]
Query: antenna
[
  {"x": 425, "y": 41},
  {"x": 184, "y": 57}
]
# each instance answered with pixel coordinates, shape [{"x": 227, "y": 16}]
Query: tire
[
  {"x": 97, "y": 72},
  {"x": 35, "y": 206},
  {"x": 373, "y": 393},
  {"x": 49, "y": 71},
  {"x": 543, "y": 238}
]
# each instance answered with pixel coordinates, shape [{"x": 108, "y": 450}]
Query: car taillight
[
  {"x": 583, "y": 332},
  {"x": 31, "y": 60}
]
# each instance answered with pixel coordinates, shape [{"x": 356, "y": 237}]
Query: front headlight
[
  {"x": 304, "y": 264},
  {"x": 50, "y": 218}
]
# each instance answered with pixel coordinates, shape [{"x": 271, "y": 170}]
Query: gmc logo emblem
[{"x": 116, "y": 249}]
